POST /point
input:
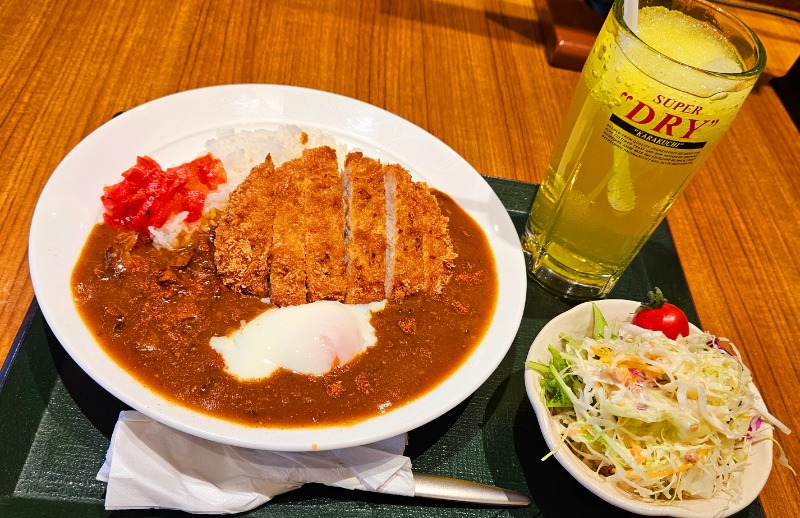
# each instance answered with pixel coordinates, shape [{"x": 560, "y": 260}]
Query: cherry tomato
[{"x": 660, "y": 315}]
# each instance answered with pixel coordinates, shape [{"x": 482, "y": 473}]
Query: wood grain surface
[{"x": 472, "y": 73}]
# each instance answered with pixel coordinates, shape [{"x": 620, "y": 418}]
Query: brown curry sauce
[{"x": 154, "y": 311}]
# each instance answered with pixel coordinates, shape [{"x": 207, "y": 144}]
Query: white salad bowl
[{"x": 577, "y": 323}]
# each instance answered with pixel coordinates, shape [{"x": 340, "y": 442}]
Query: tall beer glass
[{"x": 650, "y": 105}]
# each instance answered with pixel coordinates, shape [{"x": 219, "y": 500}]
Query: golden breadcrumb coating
[
  {"x": 366, "y": 239},
  {"x": 406, "y": 276},
  {"x": 287, "y": 277},
  {"x": 244, "y": 234},
  {"x": 437, "y": 249},
  {"x": 305, "y": 232},
  {"x": 325, "y": 247}
]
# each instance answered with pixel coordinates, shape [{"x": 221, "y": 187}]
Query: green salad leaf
[
  {"x": 600, "y": 323},
  {"x": 555, "y": 380}
]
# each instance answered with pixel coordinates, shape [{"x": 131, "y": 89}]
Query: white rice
[{"x": 240, "y": 151}]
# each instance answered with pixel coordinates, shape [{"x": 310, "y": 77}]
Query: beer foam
[{"x": 688, "y": 40}]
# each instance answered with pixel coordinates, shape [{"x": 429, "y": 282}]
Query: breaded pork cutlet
[
  {"x": 287, "y": 276},
  {"x": 302, "y": 233},
  {"x": 365, "y": 197},
  {"x": 437, "y": 248},
  {"x": 404, "y": 270},
  {"x": 244, "y": 235},
  {"x": 325, "y": 247}
]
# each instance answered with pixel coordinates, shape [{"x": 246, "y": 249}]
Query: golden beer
[{"x": 649, "y": 107}]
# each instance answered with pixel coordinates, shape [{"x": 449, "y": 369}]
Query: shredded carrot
[
  {"x": 604, "y": 353},
  {"x": 636, "y": 452},
  {"x": 634, "y": 363},
  {"x": 666, "y": 472}
]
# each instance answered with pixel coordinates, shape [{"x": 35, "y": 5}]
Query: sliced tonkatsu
[
  {"x": 305, "y": 232},
  {"x": 244, "y": 234},
  {"x": 404, "y": 271},
  {"x": 437, "y": 249},
  {"x": 325, "y": 233},
  {"x": 287, "y": 277},
  {"x": 365, "y": 197}
]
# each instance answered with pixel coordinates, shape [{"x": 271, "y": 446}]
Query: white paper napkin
[{"x": 150, "y": 465}]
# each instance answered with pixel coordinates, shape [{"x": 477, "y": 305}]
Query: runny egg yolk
[{"x": 308, "y": 339}]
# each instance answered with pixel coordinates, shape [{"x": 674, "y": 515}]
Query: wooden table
[{"x": 472, "y": 73}]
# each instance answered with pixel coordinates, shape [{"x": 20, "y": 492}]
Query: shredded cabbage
[{"x": 664, "y": 419}]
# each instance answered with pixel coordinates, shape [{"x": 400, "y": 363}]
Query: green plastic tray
[{"x": 55, "y": 422}]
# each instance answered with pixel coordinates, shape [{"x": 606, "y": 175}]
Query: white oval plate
[
  {"x": 174, "y": 129},
  {"x": 577, "y": 322}
]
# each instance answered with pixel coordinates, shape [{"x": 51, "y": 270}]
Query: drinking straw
[{"x": 630, "y": 13}]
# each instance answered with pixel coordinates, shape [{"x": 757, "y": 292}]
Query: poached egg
[{"x": 308, "y": 339}]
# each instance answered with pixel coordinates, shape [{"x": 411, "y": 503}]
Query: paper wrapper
[{"x": 150, "y": 465}]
